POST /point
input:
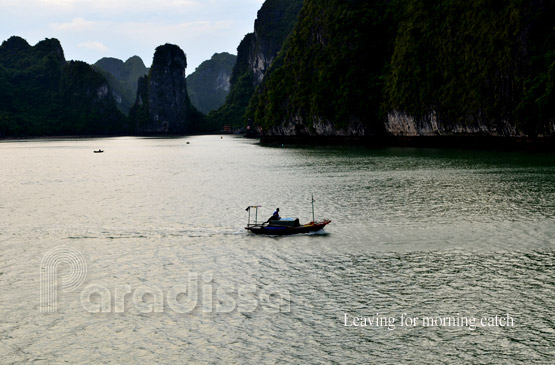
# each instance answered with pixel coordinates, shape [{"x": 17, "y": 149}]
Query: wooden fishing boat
[
  {"x": 286, "y": 226},
  {"x": 283, "y": 226}
]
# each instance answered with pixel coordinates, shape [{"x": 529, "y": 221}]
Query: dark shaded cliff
[
  {"x": 209, "y": 85},
  {"x": 255, "y": 54},
  {"x": 42, "y": 94},
  {"x": 484, "y": 67},
  {"x": 162, "y": 105},
  {"x": 413, "y": 68},
  {"x": 329, "y": 77},
  {"x": 123, "y": 78}
]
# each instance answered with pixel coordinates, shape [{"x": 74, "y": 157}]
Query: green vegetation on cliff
[
  {"x": 476, "y": 63},
  {"x": 42, "y": 94},
  {"x": 331, "y": 68},
  {"x": 485, "y": 66}
]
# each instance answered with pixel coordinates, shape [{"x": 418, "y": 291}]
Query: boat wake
[{"x": 321, "y": 232}]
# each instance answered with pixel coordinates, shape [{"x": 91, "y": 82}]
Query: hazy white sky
[{"x": 92, "y": 29}]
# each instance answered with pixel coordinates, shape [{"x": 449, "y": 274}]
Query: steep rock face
[
  {"x": 298, "y": 127},
  {"x": 403, "y": 124},
  {"x": 209, "y": 85},
  {"x": 42, "y": 94},
  {"x": 162, "y": 104},
  {"x": 256, "y": 52},
  {"x": 273, "y": 24}
]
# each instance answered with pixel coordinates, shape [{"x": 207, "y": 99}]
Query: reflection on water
[{"x": 416, "y": 232}]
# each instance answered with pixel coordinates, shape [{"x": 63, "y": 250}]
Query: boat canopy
[{"x": 285, "y": 222}]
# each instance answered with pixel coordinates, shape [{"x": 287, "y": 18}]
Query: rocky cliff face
[
  {"x": 403, "y": 124},
  {"x": 209, "y": 85},
  {"x": 319, "y": 127},
  {"x": 273, "y": 24},
  {"x": 162, "y": 104},
  {"x": 256, "y": 52}
]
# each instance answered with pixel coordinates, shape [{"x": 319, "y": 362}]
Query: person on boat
[{"x": 274, "y": 216}]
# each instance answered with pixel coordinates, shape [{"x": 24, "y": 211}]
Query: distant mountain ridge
[
  {"x": 209, "y": 84},
  {"x": 157, "y": 103},
  {"x": 123, "y": 78},
  {"x": 42, "y": 94}
]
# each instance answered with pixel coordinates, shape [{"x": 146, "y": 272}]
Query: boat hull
[{"x": 282, "y": 231}]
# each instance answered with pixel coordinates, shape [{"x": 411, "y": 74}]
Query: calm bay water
[{"x": 414, "y": 233}]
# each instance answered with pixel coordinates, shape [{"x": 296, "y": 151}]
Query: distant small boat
[{"x": 98, "y": 151}]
